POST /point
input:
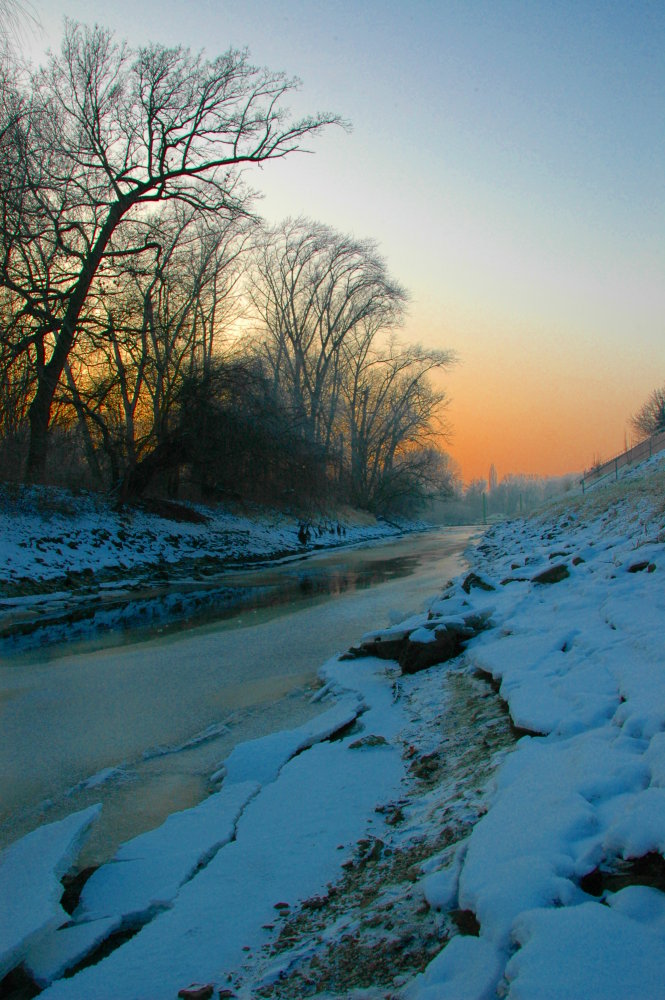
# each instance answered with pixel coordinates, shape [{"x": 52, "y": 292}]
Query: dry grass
[{"x": 644, "y": 483}]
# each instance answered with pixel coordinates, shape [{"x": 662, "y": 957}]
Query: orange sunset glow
[
  {"x": 507, "y": 161},
  {"x": 546, "y": 422}
]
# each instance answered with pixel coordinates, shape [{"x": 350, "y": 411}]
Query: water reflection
[
  {"x": 250, "y": 671},
  {"x": 133, "y": 613}
]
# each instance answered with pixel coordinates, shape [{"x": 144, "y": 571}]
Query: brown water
[{"x": 164, "y": 711}]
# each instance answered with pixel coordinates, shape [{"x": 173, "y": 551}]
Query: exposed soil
[{"x": 374, "y": 928}]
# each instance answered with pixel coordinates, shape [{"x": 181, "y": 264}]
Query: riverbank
[
  {"x": 52, "y": 538},
  {"x": 493, "y": 826},
  {"x": 73, "y": 564}
]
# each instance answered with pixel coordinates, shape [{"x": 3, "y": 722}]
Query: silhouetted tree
[
  {"x": 234, "y": 439},
  {"x": 650, "y": 418},
  {"x": 392, "y": 420},
  {"x": 14, "y": 17},
  {"x": 314, "y": 289},
  {"x": 111, "y": 131},
  {"x": 157, "y": 323}
]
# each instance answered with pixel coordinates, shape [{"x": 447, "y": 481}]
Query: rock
[
  {"x": 385, "y": 649},
  {"x": 426, "y": 767},
  {"x": 196, "y": 991},
  {"x": 578, "y": 560},
  {"x": 473, "y": 580},
  {"x": 449, "y": 642},
  {"x": 368, "y": 741},
  {"x": 466, "y": 921},
  {"x": 552, "y": 575},
  {"x": 395, "y": 817},
  {"x": 638, "y": 567},
  {"x": 618, "y": 873},
  {"x": 445, "y": 640}
]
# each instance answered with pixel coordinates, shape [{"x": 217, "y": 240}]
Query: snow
[
  {"x": 49, "y": 533},
  {"x": 589, "y": 951},
  {"x": 285, "y": 850},
  {"x": 469, "y": 968},
  {"x": 30, "y": 889},
  {"x": 262, "y": 759},
  {"x": 579, "y": 665}
]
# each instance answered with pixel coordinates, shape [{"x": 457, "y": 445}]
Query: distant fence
[{"x": 640, "y": 452}]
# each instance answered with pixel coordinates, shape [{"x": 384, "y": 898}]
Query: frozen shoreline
[
  {"x": 549, "y": 879},
  {"x": 74, "y": 568},
  {"x": 52, "y": 537}
]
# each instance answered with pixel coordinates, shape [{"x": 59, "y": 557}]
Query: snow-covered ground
[
  {"x": 490, "y": 827},
  {"x": 53, "y": 535}
]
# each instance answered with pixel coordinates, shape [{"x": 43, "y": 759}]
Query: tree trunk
[
  {"x": 39, "y": 413},
  {"x": 88, "y": 444}
]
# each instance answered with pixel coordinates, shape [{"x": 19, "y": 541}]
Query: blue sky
[{"x": 508, "y": 157}]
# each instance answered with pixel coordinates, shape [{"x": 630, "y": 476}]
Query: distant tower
[{"x": 493, "y": 479}]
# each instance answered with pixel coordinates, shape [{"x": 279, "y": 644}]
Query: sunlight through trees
[{"x": 129, "y": 252}]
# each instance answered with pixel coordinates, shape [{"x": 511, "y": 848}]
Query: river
[{"x": 141, "y": 725}]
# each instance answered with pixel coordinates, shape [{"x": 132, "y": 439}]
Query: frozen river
[{"x": 141, "y": 726}]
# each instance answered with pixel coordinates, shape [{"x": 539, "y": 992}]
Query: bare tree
[
  {"x": 313, "y": 288},
  {"x": 112, "y": 131},
  {"x": 393, "y": 419},
  {"x": 14, "y": 17},
  {"x": 329, "y": 309},
  {"x": 159, "y": 318},
  {"x": 650, "y": 418}
]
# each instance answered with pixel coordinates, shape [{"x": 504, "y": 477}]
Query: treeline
[
  {"x": 154, "y": 333},
  {"x": 484, "y": 500}
]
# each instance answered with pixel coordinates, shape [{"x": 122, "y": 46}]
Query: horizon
[{"x": 509, "y": 164}]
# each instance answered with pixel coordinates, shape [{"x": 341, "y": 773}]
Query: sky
[{"x": 508, "y": 157}]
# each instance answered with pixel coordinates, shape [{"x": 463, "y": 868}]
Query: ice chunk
[
  {"x": 142, "y": 879},
  {"x": 30, "y": 888},
  {"x": 52, "y": 955},
  {"x": 147, "y": 871},
  {"x": 260, "y": 760},
  {"x": 285, "y": 849}
]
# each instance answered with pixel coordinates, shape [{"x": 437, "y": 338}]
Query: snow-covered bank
[
  {"x": 565, "y": 871},
  {"x": 49, "y": 535},
  {"x": 73, "y": 567},
  {"x": 425, "y": 854}
]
